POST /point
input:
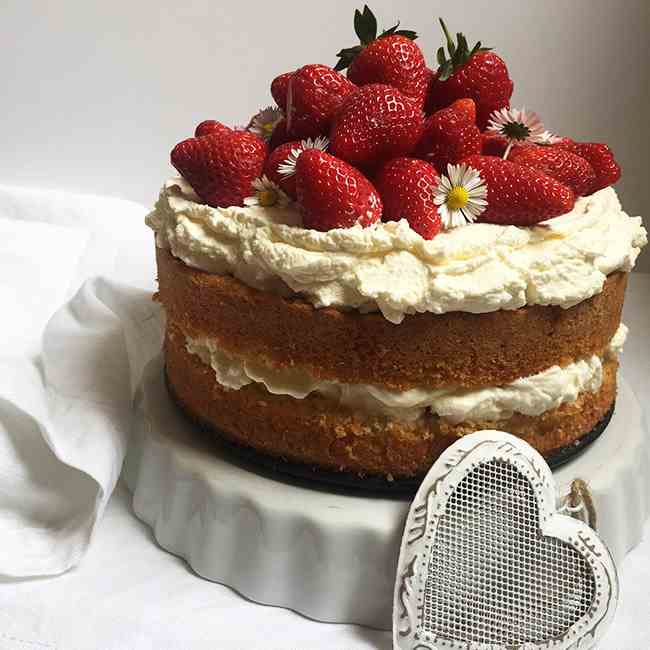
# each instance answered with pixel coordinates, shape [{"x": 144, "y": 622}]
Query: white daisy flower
[
  {"x": 267, "y": 195},
  {"x": 549, "y": 138},
  {"x": 288, "y": 167},
  {"x": 265, "y": 121},
  {"x": 461, "y": 196},
  {"x": 518, "y": 126}
]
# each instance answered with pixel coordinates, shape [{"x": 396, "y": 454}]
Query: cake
[{"x": 388, "y": 260}]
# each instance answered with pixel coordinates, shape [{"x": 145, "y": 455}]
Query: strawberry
[
  {"x": 279, "y": 135},
  {"x": 600, "y": 157},
  {"x": 575, "y": 172},
  {"x": 208, "y": 127},
  {"x": 406, "y": 187},
  {"x": 375, "y": 124},
  {"x": 280, "y": 166},
  {"x": 448, "y": 137},
  {"x": 221, "y": 167},
  {"x": 476, "y": 73},
  {"x": 305, "y": 126},
  {"x": 277, "y": 158},
  {"x": 465, "y": 107},
  {"x": 279, "y": 89},
  {"x": 315, "y": 93},
  {"x": 333, "y": 194},
  {"x": 517, "y": 195},
  {"x": 391, "y": 58},
  {"x": 493, "y": 144}
]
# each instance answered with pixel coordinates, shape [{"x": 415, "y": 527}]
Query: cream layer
[
  {"x": 388, "y": 267},
  {"x": 532, "y": 395}
]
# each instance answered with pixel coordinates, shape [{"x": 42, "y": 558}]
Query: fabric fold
[{"x": 65, "y": 424}]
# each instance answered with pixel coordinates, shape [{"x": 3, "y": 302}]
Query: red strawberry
[
  {"x": 575, "y": 172},
  {"x": 476, "y": 73},
  {"x": 220, "y": 167},
  {"x": 333, "y": 194},
  {"x": 304, "y": 126},
  {"x": 277, "y": 158},
  {"x": 279, "y": 135},
  {"x": 284, "y": 158},
  {"x": 375, "y": 124},
  {"x": 208, "y": 127},
  {"x": 391, "y": 58},
  {"x": 406, "y": 187},
  {"x": 517, "y": 195},
  {"x": 465, "y": 107},
  {"x": 279, "y": 88},
  {"x": 315, "y": 93},
  {"x": 448, "y": 137},
  {"x": 493, "y": 144},
  {"x": 600, "y": 157}
]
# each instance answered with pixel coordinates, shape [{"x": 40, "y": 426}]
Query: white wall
[{"x": 94, "y": 94}]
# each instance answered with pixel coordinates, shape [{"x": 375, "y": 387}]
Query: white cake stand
[{"x": 328, "y": 555}]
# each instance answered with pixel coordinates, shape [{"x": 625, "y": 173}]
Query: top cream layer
[{"x": 389, "y": 267}]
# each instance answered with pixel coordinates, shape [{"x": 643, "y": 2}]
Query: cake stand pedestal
[{"x": 330, "y": 555}]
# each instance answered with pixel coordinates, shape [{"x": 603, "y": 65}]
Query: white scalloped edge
[{"x": 299, "y": 548}]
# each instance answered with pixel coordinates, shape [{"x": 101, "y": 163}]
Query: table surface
[{"x": 129, "y": 594}]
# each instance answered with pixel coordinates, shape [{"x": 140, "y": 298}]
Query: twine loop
[{"x": 580, "y": 502}]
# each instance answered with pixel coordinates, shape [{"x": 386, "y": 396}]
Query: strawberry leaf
[
  {"x": 459, "y": 53},
  {"x": 365, "y": 25},
  {"x": 346, "y": 56},
  {"x": 445, "y": 70},
  {"x": 406, "y": 33}
]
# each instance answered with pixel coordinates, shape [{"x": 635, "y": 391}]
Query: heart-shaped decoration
[{"x": 486, "y": 562}]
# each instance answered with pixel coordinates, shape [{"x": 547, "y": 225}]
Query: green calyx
[
  {"x": 459, "y": 53},
  {"x": 365, "y": 26}
]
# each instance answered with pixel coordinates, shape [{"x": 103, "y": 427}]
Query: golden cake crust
[
  {"x": 433, "y": 350},
  {"x": 320, "y": 432}
]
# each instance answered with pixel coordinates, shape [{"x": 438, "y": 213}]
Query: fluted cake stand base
[{"x": 330, "y": 555}]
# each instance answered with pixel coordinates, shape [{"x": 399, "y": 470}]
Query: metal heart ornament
[{"x": 486, "y": 562}]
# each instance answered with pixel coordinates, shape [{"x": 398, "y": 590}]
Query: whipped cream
[
  {"x": 390, "y": 268},
  {"x": 532, "y": 395}
]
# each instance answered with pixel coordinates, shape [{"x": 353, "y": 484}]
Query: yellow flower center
[
  {"x": 267, "y": 198},
  {"x": 457, "y": 198},
  {"x": 267, "y": 128}
]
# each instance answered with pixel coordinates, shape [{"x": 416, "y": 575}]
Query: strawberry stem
[
  {"x": 450, "y": 43},
  {"x": 459, "y": 53}
]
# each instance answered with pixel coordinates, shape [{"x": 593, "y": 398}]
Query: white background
[{"x": 94, "y": 94}]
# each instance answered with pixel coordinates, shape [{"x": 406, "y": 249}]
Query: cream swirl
[
  {"x": 390, "y": 268},
  {"x": 532, "y": 395}
]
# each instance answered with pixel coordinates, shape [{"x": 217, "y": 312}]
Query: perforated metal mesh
[{"x": 492, "y": 577}]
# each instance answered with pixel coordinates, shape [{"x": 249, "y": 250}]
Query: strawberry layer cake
[{"x": 389, "y": 259}]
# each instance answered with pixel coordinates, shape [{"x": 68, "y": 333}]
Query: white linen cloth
[
  {"x": 64, "y": 418},
  {"x": 64, "y": 414}
]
